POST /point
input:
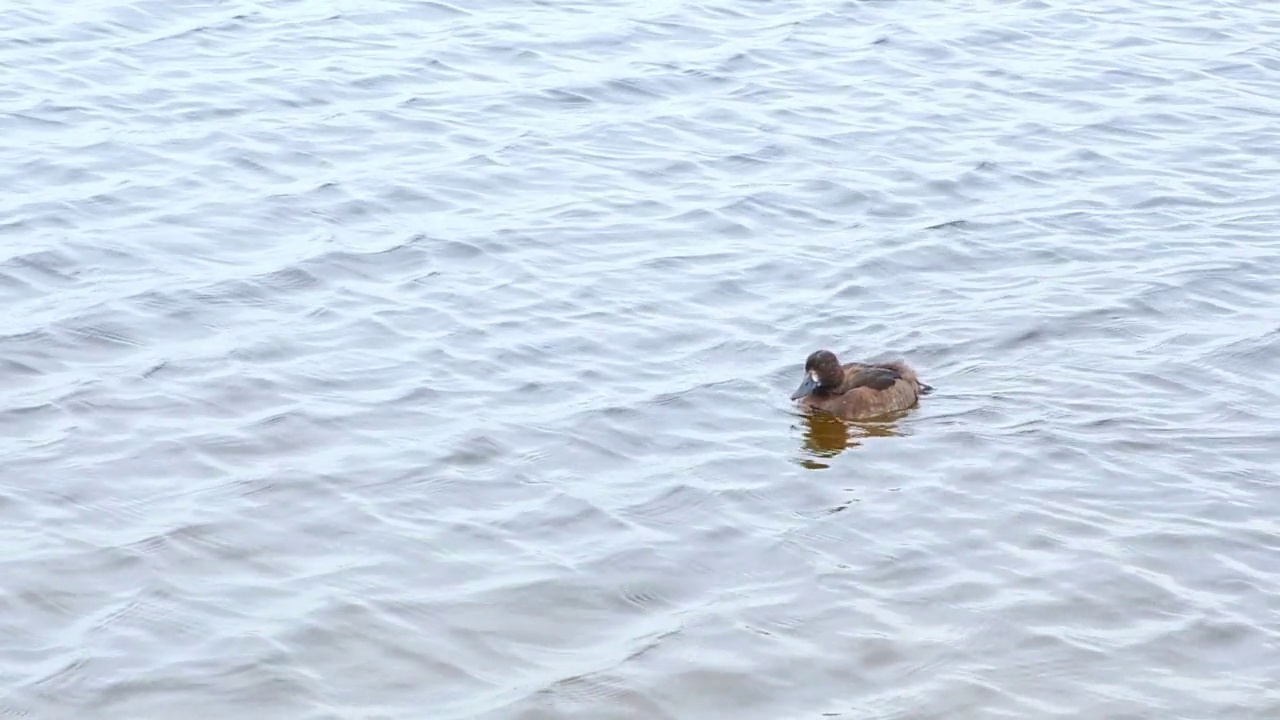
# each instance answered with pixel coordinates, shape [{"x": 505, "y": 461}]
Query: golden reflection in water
[{"x": 826, "y": 436}]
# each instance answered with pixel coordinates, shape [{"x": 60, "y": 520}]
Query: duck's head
[{"x": 822, "y": 371}]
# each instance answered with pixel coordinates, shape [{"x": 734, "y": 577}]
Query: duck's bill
[{"x": 806, "y": 387}]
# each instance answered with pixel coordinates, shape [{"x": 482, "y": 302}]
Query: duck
[{"x": 857, "y": 391}]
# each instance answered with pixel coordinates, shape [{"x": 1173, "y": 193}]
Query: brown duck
[{"x": 858, "y": 390}]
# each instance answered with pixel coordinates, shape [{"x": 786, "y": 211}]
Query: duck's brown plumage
[{"x": 858, "y": 390}]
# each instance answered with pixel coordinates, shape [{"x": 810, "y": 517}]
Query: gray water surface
[{"x": 399, "y": 359}]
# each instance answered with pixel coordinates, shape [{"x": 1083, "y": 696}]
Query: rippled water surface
[{"x": 398, "y": 359}]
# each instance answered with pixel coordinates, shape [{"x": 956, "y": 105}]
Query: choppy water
[{"x": 410, "y": 360}]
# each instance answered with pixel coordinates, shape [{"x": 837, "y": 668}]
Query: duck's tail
[{"x": 924, "y": 389}]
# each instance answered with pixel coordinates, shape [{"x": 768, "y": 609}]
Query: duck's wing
[{"x": 876, "y": 377}]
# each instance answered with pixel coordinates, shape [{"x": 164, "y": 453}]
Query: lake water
[{"x": 399, "y": 359}]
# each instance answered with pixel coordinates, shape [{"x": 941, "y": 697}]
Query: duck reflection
[{"x": 826, "y": 436}]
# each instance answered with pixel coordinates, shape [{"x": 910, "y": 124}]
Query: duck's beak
[{"x": 809, "y": 385}]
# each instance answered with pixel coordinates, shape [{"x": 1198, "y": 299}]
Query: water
[{"x": 411, "y": 360}]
